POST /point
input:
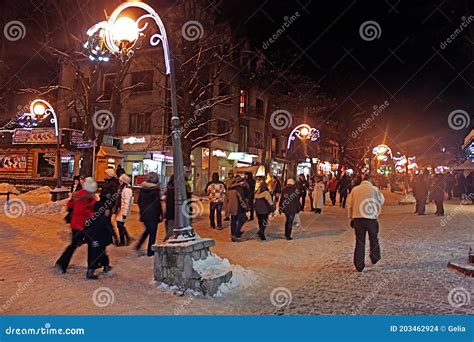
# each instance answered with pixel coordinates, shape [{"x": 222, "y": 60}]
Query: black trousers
[
  {"x": 122, "y": 232},
  {"x": 343, "y": 198},
  {"x": 215, "y": 210},
  {"x": 303, "y": 200},
  {"x": 439, "y": 207},
  {"x": 362, "y": 226},
  {"x": 78, "y": 238},
  {"x": 151, "y": 227},
  {"x": 262, "y": 222},
  {"x": 96, "y": 255},
  {"x": 332, "y": 194},
  {"x": 421, "y": 205},
  {"x": 289, "y": 224}
]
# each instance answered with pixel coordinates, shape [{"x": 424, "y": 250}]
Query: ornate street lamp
[
  {"x": 303, "y": 132},
  {"x": 118, "y": 36}
]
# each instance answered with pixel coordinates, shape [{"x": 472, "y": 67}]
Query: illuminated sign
[{"x": 134, "y": 140}]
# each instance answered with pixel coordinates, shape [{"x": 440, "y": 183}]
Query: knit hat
[
  {"x": 290, "y": 181},
  {"x": 90, "y": 185},
  {"x": 125, "y": 178},
  {"x": 110, "y": 172}
]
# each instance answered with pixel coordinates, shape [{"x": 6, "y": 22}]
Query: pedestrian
[
  {"x": 227, "y": 183},
  {"x": 237, "y": 206},
  {"x": 420, "y": 191},
  {"x": 325, "y": 182},
  {"x": 449, "y": 185},
  {"x": 437, "y": 194},
  {"x": 109, "y": 195},
  {"x": 77, "y": 182},
  {"x": 124, "y": 209},
  {"x": 290, "y": 205},
  {"x": 216, "y": 192},
  {"x": 82, "y": 206},
  {"x": 169, "y": 214},
  {"x": 120, "y": 171},
  {"x": 470, "y": 187},
  {"x": 332, "y": 188},
  {"x": 311, "y": 185},
  {"x": 365, "y": 203},
  {"x": 263, "y": 208},
  {"x": 99, "y": 232},
  {"x": 251, "y": 193},
  {"x": 151, "y": 214},
  {"x": 344, "y": 189},
  {"x": 302, "y": 186},
  {"x": 318, "y": 195}
]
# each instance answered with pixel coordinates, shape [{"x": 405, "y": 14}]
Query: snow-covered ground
[{"x": 313, "y": 274}]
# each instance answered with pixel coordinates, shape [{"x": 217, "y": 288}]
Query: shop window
[
  {"x": 223, "y": 126},
  {"x": 243, "y": 102},
  {"x": 143, "y": 77},
  {"x": 46, "y": 164},
  {"x": 224, "y": 90},
  {"x": 67, "y": 167},
  {"x": 260, "y": 107},
  {"x": 108, "y": 81},
  {"x": 243, "y": 135},
  {"x": 140, "y": 123},
  {"x": 259, "y": 139}
]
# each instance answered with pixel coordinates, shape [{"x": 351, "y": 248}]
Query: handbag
[{"x": 68, "y": 216}]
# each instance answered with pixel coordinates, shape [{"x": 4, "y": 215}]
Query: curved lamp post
[
  {"x": 303, "y": 132},
  {"x": 40, "y": 109},
  {"x": 118, "y": 36}
]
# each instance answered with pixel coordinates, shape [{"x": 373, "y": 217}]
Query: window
[
  {"x": 144, "y": 77},
  {"x": 282, "y": 145},
  {"x": 46, "y": 164},
  {"x": 140, "y": 123},
  {"x": 243, "y": 132},
  {"x": 259, "y": 139},
  {"x": 260, "y": 107},
  {"x": 243, "y": 102},
  {"x": 108, "y": 81},
  {"x": 224, "y": 90},
  {"x": 223, "y": 126}
]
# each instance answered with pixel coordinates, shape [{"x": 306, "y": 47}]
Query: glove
[{"x": 352, "y": 223}]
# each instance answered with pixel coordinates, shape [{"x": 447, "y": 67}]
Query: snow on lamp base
[{"x": 175, "y": 265}]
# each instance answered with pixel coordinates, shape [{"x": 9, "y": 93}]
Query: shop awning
[{"x": 109, "y": 151}]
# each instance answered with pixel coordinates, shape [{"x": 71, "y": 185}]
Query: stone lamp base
[{"x": 173, "y": 266}]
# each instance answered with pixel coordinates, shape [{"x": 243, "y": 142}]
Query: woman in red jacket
[{"x": 82, "y": 206}]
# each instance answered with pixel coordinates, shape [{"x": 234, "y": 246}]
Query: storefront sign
[
  {"x": 134, "y": 140},
  {"x": 219, "y": 153},
  {"x": 76, "y": 138},
  {"x": 34, "y": 136},
  {"x": 12, "y": 162},
  {"x": 85, "y": 144}
]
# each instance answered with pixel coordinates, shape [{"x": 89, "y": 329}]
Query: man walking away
[
  {"x": 365, "y": 203},
  {"x": 237, "y": 206},
  {"x": 216, "y": 191},
  {"x": 263, "y": 208},
  {"x": 302, "y": 186},
  {"x": 344, "y": 187},
  {"x": 420, "y": 191},
  {"x": 437, "y": 194},
  {"x": 332, "y": 188},
  {"x": 290, "y": 205}
]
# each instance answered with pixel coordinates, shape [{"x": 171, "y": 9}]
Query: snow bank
[
  {"x": 49, "y": 208},
  {"x": 44, "y": 190},
  {"x": 214, "y": 266},
  {"x": 6, "y": 187}
]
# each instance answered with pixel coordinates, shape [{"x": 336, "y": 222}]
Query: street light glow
[
  {"x": 125, "y": 29},
  {"x": 39, "y": 109},
  {"x": 304, "y": 132}
]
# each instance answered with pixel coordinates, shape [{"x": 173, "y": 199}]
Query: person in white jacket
[
  {"x": 123, "y": 212},
  {"x": 318, "y": 195},
  {"x": 365, "y": 204}
]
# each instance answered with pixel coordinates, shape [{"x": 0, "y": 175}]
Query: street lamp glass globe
[
  {"x": 125, "y": 29},
  {"x": 304, "y": 132},
  {"x": 39, "y": 109}
]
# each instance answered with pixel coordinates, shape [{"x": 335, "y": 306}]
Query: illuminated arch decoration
[
  {"x": 303, "y": 132},
  {"x": 39, "y": 110},
  {"x": 382, "y": 152}
]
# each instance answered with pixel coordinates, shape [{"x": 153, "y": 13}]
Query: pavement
[{"x": 310, "y": 275}]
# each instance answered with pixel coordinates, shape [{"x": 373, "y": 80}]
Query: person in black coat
[
  {"x": 437, "y": 194},
  {"x": 290, "y": 205},
  {"x": 110, "y": 197},
  {"x": 151, "y": 213},
  {"x": 251, "y": 193},
  {"x": 420, "y": 191},
  {"x": 344, "y": 189},
  {"x": 99, "y": 231},
  {"x": 302, "y": 186}
]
